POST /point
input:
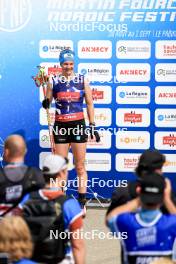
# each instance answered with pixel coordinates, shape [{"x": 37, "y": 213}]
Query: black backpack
[
  {"x": 31, "y": 181},
  {"x": 45, "y": 221}
]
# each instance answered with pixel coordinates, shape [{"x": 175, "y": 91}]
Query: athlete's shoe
[
  {"x": 83, "y": 207},
  {"x": 84, "y": 211}
]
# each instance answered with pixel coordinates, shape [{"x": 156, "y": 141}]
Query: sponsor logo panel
[
  {"x": 165, "y": 140},
  {"x": 126, "y": 162},
  {"x": 102, "y": 116},
  {"x": 101, "y": 94},
  {"x": 133, "y": 49},
  {"x": 133, "y": 140},
  {"x": 91, "y": 49},
  {"x": 98, "y": 162},
  {"x": 165, "y": 72},
  {"x": 133, "y": 95},
  {"x": 44, "y": 139},
  {"x": 52, "y": 48},
  {"x": 170, "y": 164},
  {"x": 165, "y": 49},
  {"x": 43, "y": 116},
  {"x": 165, "y": 117},
  {"x": 133, "y": 117},
  {"x": 96, "y": 72},
  {"x": 133, "y": 72},
  {"x": 165, "y": 95}
]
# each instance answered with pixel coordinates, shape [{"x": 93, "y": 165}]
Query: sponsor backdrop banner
[{"x": 126, "y": 48}]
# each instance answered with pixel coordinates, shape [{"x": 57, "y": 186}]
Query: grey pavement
[{"x": 100, "y": 251}]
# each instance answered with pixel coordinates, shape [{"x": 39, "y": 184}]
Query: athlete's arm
[
  {"x": 49, "y": 92},
  {"x": 74, "y": 223},
  {"x": 89, "y": 101},
  {"x": 130, "y": 206}
]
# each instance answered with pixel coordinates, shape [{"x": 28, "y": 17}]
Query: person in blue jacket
[{"x": 149, "y": 233}]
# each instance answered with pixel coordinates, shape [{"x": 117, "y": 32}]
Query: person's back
[
  {"x": 16, "y": 178},
  {"x": 147, "y": 241},
  {"x": 53, "y": 218},
  {"x": 45, "y": 219},
  {"x": 149, "y": 233}
]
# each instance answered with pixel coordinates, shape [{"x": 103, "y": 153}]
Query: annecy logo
[
  {"x": 94, "y": 49},
  {"x": 132, "y": 117},
  {"x": 167, "y": 95},
  {"x": 169, "y": 140},
  {"x": 14, "y": 14}
]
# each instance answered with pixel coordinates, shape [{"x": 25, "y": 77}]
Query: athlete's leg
[
  {"x": 79, "y": 153},
  {"x": 62, "y": 149}
]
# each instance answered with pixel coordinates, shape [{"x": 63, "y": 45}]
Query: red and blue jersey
[
  {"x": 145, "y": 241},
  {"x": 69, "y": 96}
]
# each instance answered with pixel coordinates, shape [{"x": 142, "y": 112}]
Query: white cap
[{"x": 53, "y": 164}]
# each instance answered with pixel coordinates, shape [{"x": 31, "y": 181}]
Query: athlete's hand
[
  {"x": 46, "y": 103},
  {"x": 94, "y": 133}
]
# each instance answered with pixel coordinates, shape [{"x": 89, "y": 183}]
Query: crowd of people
[{"x": 34, "y": 210}]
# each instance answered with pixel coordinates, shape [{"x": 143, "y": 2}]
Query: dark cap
[
  {"x": 152, "y": 188},
  {"x": 149, "y": 161}
]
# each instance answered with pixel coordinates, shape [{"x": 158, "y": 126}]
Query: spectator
[
  {"x": 16, "y": 178},
  {"x": 149, "y": 161},
  {"x": 15, "y": 241},
  {"x": 150, "y": 234},
  {"x": 47, "y": 210}
]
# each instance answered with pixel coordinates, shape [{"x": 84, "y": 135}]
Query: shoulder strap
[
  {"x": 30, "y": 182},
  {"x": 28, "y": 174}
]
